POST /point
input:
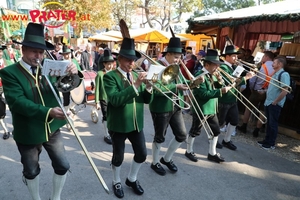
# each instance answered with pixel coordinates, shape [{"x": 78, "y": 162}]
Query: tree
[
  {"x": 165, "y": 12},
  {"x": 124, "y": 9},
  {"x": 91, "y": 15}
]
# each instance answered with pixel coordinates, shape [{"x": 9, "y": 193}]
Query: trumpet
[
  {"x": 166, "y": 76},
  {"x": 266, "y": 77},
  {"x": 73, "y": 128},
  {"x": 224, "y": 73}
]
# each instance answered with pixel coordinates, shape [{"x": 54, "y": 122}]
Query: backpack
[{"x": 290, "y": 96}]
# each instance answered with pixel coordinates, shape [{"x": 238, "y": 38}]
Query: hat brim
[
  {"x": 3, "y": 47},
  {"x": 132, "y": 57},
  {"x": 48, "y": 45},
  {"x": 214, "y": 61},
  {"x": 66, "y": 52},
  {"x": 230, "y": 53}
]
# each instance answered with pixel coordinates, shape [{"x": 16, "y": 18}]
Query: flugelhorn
[{"x": 166, "y": 76}]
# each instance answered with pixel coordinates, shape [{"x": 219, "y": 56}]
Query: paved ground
[{"x": 248, "y": 173}]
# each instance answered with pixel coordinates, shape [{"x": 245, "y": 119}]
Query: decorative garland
[{"x": 236, "y": 22}]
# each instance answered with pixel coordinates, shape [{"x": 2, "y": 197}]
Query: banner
[
  {"x": 67, "y": 33},
  {"x": 5, "y": 27}
]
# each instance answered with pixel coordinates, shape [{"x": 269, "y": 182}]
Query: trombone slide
[{"x": 75, "y": 132}]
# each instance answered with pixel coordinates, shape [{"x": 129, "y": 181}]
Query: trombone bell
[{"x": 169, "y": 74}]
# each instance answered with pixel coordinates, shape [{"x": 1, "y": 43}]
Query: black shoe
[
  {"x": 242, "y": 128},
  {"x": 255, "y": 132},
  {"x": 216, "y": 158},
  {"x": 260, "y": 143},
  {"x": 118, "y": 190},
  {"x": 229, "y": 145},
  {"x": 6, "y": 135},
  {"x": 107, "y": 139},
  {"x": 135, "y": 186},
  {"x": 172, "y": 167},
  {"x": 158, "y": 169},
  {"x": 192, "y": 156},
  {"x": 219, "y": 146}
]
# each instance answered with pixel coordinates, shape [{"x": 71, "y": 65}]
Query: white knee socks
[
  {"x": 116, "y": 174},
  {"x": 173, "y": 146},
  {"x": 134, "y": 169},
  {"x": 58, "y": 184},
  {"x": 33, "y": 187},
  {"x": 230, "y": 130},
  {"x": 212, "y": 146},
  {"x": 155, "y": 152},
  {"x": 190, "y": 143},
  {"x": 105, "y": 128}
]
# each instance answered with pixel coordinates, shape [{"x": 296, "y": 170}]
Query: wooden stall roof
[{"x": 279, "y": 11}]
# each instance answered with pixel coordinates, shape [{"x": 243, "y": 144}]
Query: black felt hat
[
  {"x": 174, "y": 45},
  {"x": 34, "y": 37},
  {"x": 107, "y": 56},
  {"x": 231, "y": 49},
  {"x": 128, "y": 49},
  {"x": 212, "y": 55},
  {"x": 65, "y": 50}
]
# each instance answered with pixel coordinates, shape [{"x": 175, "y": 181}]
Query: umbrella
[
  {"x": 102, "y": 37},
  {"x": 153, "y": 35}
]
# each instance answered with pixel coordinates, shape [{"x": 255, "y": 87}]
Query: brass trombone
[
  {"x": 73, "y": 129},
  {"x": 166, "y": 76},
  {"x": 233, "y": 83},
  {"x": 194, "y": 102},
  {"x": 264, "y": 76}
]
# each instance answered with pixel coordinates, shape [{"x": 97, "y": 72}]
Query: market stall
[{"x": 247, "y": 27}]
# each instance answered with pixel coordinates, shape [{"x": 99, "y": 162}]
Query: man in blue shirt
[{"x": 274, "y": 102}]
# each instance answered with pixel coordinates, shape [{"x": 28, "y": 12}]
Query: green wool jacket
[
  {"x": 207, "y": 95},
  {"x": 30, "y": 100},
  {"x": 229, "y": 97},
  {"x": 161, "y": 103},
  {"x": 125, "y": 106},
  {"x": 100, "y": 93}
]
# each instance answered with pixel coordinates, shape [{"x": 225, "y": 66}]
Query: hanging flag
[
  {"x": 67, "y": 33},
  {"x": 5, "y": 27}
]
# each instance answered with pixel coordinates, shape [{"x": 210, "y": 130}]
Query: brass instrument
[
  {"x": 74, "y": 130},
  {"x": 228, "y": 76},
  {"x": 195, "y": 104},
  {"x": 166, "y": 76},
  {"x": 264, "y": 76}
]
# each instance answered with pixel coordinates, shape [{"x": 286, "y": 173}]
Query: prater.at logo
[{"x": 56, "y": 18}]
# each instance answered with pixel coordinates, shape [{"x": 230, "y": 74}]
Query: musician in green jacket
[
  {"x": 165, "y": 112},
  {"x": 228, "y": 109},
  {"x": 206, "y": 96},
  {"x": 126, "y": 96},
  {"x": 108, "y": 62},
  {"x": 36, "y": 114},
  {"x": 3, "y": 63}
]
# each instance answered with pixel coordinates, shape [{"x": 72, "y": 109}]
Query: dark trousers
[
  {"x": 212, "y": 121},
  {"x": 228, "y": 112},
  {"x": 161, "y": 122},
  {"x": 272, "y": 114},
  {"x": 56, "y": 151},
  {"x": 66, "y": 98},
  {"x": 137, "y": 140},
  {"x": 103, "y": 105}
]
